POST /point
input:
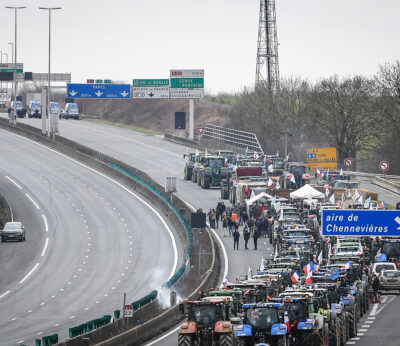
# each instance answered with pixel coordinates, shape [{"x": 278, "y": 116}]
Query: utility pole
[
  {"x": 267, "y": 67},
  {"x": 14, "y": 119},
  {"x": 48, "y": 87}
]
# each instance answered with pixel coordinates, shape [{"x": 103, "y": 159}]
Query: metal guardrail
[{"x": 232, "y": 137}]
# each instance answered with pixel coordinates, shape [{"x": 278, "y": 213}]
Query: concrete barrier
[{"x": 387, "y": 184}]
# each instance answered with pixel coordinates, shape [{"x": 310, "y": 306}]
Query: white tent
[
  {"x": 306, "y": 191},
  {"x": 256, "y": 198}
]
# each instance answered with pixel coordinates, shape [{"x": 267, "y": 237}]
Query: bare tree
[{"x": 345, "y": 112}]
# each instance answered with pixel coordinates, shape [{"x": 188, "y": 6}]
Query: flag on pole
[
  {"x": 249, "y": 274},
  {"x": 271, "y": 168},
  {"x": 332, "y": 198},
  {"x": 293, "y": 180},
  {"x": 255, "y": 155},
  {"x": 347, "y": 265},
  {"x": 247, "y": 149},
  {"x": 265, "y": 159},
  {"x": 341, "y": 172},
  {"x": 252, "y": 194},
  {"x": 327, "y": 173},
  {"x": 278, "y": 186},
  {"x": 318, "y": 171},
  {"x": 335, "y": 275},
  {"x": 326, "y": 192},
  {"x": 197, "y": 152},
  {"x": 360, "y": 200},
  {"x": 308, "y": 268},
  {"x": 295, "y": 277},
  {"x": 367, "y": 202},
  {"x": 383, "y": 204},
  {"x": 349, "y": 194},
  {"x": 342, "y": 197},
  {"x": 206, "y": 153},
  {"x": 262, "y": 266},
  {"x": 270, "y": 182}
]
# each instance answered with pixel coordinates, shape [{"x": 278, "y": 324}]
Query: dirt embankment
[{"x": 157, "y": 114}]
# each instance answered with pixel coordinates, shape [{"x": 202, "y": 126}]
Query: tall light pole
[
  {"x": 15, "y": 58},
  {"x": 12, "y": 51},
  {"x": 287, "y": 134},
  {"x": 48, "y": 88}
]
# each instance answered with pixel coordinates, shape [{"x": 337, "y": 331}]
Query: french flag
[
  {"x": 383, "y": 205},
  {"x": 295, "y": 277},
  {"x": 309, "y": 268},
  {"x": 318, "y": 171},
  {"x": 347, "y": 265}
]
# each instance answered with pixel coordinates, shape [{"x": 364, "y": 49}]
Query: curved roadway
[
  {"x": 88, "y": 240},
  {"x": 160, "y": 159}
]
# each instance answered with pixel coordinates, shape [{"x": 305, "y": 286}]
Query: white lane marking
[
  {"x": 30, "y": 273},
  {"x": 350, "y": 342},
  {"x": 31, "y": 199},
  {"x": 41, "y": 304},
  {"x": 57, "y": 324},
  {"x": 46, "y": 243},
  {"x": 355, "y": 338},
  {"x": 4, "y": 294},
  {"x": 371, "y": 318},
  {"x": 369, "y": 322},
  {"x": 72, "y": 316},
  {"x": 13, "y": 319},
  {"x": 389, "y": 300},
  {"x": 86, "y": 309},
  {"x": 163, "y": 337},
  {"x": 363, "y": 330},
  {"x": 374, "y": 308},
  {"x": 14, "y": 182},
  {"x": 361, "y": 334},
  {"x": 366, "y": 326},
  {"x": 46, "y": 225}
]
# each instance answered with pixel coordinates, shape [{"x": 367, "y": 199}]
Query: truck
[
  {"x": 18, "y": 105},
  {"x": 238, "y": 174},
  {"x": 71, "y": 111},
  {"x": 35, "y": 109}
]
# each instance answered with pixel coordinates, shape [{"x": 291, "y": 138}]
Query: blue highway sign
[
  {"x": 360, "y": 222},
  {"x": 99, "y": 91}
]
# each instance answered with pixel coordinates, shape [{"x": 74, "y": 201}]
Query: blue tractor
[{"x": 262, "y": 325}]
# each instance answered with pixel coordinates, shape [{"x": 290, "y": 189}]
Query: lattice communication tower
[{"x": 267, "y": 68}]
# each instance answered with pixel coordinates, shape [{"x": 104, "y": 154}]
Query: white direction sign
[
  {"x": 187, "y": 84},
  {"x": 5, "y": 97},
  {"x": 150, "y": 89}
]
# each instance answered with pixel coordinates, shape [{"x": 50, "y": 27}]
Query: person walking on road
[
  {"x": 214, "y": 219},
  {"x": 246, "y": 236},
  {"x": 375, "y": 287},
  {"x": 256, "y": 235},
  {"x": 225, "y": 225},
  {"x": 236, "y": 236}
]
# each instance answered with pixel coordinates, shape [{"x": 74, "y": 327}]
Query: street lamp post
[
  {"x": 15, "y": 58},
  {"x": 48, "y": 88},
  {"x": 287, "y": 134},
  {"x": 12, "y": 51}
]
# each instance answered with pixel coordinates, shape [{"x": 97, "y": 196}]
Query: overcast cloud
[{"x": 126, "y": 39}]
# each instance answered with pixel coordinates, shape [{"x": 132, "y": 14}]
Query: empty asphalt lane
[{"x": 102, "y": 242}]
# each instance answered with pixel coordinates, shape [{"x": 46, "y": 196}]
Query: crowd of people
[{"x": 236, "y": 222}]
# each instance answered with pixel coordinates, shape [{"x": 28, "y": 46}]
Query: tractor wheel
[
  {"x": 326, "y": 335},
  {"x": 241, "y": 342},
  {"x": 226, "y": 339},
  {"x": 352, "y": 323},
  {"x": 305, "y": 338},
  {"x": 185, "y": 340},
  {"x": 334, "y": 333},
  {"x": 199, "y": 179},
  {"x": 185, "y": 174},
  {"x": 207, "y": 182},
  {"x": 189, "y": 173},
  {"x": 282, "y": 341},
  {"x": 193, "y": 177},
  {"x": 343, "y": 329}
]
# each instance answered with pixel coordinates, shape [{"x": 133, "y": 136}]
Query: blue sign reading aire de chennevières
[
  {"x": 99, "y": 91},
  {"x": 360, "y": 222}
]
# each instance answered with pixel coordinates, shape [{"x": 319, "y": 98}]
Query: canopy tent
[
  {"x": 257, "y": 197},
  {"x": 306, "y": 191}
]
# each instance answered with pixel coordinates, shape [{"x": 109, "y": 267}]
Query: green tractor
[
  {"x": 211, "y": 172},
  {"x": 188, "y": 170}
]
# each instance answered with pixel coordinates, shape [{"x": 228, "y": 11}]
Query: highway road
[
  {"x": 89, "y": 240},
  {"x": 159, "y": 159}
]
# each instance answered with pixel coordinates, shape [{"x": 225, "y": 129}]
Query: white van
[
  {"x": 71, "y": 111},
  {"x": 34, "y": 109}
]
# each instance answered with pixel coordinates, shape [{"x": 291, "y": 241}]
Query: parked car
[
  {"x": 389, "y": 280},
  {"x": 13, "y": 231},
  {"x": 377, "y": 267}
]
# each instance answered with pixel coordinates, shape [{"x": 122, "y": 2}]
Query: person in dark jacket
[
  {"x": 375, "y": 287},
  {"x": 256, "y": 235},
  {"x": 236, "y": 236},
  {"x": 246, "y": 236}
]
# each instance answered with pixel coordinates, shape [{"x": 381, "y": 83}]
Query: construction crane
[{"x": 267, "y": 67}]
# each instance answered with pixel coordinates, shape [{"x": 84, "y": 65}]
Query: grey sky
[{"x": 126, "y": 39}]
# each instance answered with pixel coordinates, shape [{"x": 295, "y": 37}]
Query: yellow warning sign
[{"x": 323, "y": 158}]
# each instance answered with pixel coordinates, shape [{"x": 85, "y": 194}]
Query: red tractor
[{"x": 207, "y": 324}]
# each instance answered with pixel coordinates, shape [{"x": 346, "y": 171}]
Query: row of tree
[{"x": 359, "y": 116}]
